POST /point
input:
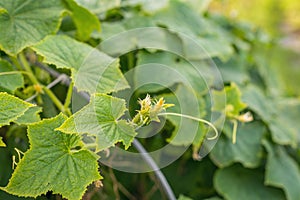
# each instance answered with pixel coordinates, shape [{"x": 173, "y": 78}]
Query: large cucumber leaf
[
  {"x": 55, "y": 162},
  {"x": 280, "y": 116},
  {"x": 24, "y": 23},
  {"x": 236, "y": 182},
  {"x": 247, "y": 150},
  {"x": 92, "y": 70}
]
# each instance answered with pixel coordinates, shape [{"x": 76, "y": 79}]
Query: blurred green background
[{"x": 281, "y": 20}]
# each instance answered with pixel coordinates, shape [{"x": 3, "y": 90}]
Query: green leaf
[
  {"x": 236, "y": 183},
  {"x": 167, "y": 69},
  {"x": 282, "y": 171},
  {"x": 198, "y": 30},
  {"x": 55, "y": 162},
  {"x": 84, "y": 20},
  {"x": 149, "y": 37},
  {"x": 182, "y": 197},
  {"x": 100, "y": 118},
  {"x": 9, "y": 82},
  {"x": 11, "y": 108},
  {"x": 234, "y": 104},
  {"x": 247, "y": 150},
  {"x": 30, "y": 116},
  {"x": 109, "y": 29},
  {"x": 274, "y": 113},
  {"x": 2, "y": 144},
  {"x": 99, "y": 6},
  {"x": 27, "y": 22},
  {"x": 92, "y": 70},
  {"x": 233, "y": 70}
]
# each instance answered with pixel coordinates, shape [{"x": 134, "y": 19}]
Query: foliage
[
  {"x": 62, "y": 142},
  {"x": 276, "y": 16}
]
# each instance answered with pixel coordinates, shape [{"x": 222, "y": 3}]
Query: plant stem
[
  {"x": 149, "y": 160},
  {"x": 130, "y": 60},
  {"x": 16, "y": 63},
  {"x": 115, "y": 184},
  {"x": 55, "y": 100},
  {"x": 196, "y": 119},
  {"x": 91, "y": 146},
  {"x": 14, "y": 72},
  {"x": 28, "y": 69},
  {"x": 235, "y": 124},
  {"x": 69, "y": 96},
  {"x": 35, "y": 81}
]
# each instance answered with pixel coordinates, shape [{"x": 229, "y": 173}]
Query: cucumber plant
[{"x": 51, "y": 139}]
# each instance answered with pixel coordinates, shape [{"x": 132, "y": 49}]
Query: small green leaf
[
  {"x": 282, "y": 171},
  {"x": 100, "y": 118},
  {"x": 85, "y": 21},
  {"x": 53, "y": 163},
  {"x": 11, "y": 108},
  {"x": 9, "y": 82},
  {"x": 27, "y": 22},
  {"x": 247, "y": 150},
  {"x": 236, "y": 183},
  {"x": 2, "y": 144},
  {"x": 234, "y": 104},
  {"x": 30, "y": 116},
  {"x": 92, "y": 70}
]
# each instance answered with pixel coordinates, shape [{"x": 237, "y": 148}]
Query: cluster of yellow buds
[{"x": 149, "y": 110}]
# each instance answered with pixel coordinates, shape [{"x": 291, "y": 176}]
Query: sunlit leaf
[
  {"x": 27, "y": 22},
  {"x": 11, "y": 108},
  {"x": 2, "y": 144},
  {"x": 101, "y": 118},
  {"x": 30, "y": 116},
  {"x": 85, "y": 21},
  {"x": 55, "y": 162},
  {"x": 92, "y": 70},
  {"x": 234, "y": 104}
]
